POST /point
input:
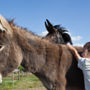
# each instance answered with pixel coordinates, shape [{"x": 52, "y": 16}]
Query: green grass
[{"x": 25, "y": 82}]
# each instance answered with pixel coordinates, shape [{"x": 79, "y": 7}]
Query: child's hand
[
  {"x": 74, "y": 51},
  {"x": 71, "y": 47}
]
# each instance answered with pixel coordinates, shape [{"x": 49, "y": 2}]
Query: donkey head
[
  {"x": 57, "y": 34},
  {"x": 10, "y": 52}
]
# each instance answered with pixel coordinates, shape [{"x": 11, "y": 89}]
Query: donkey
[
  {"x": 59, "y": 35},
  {"x": 48, "y": 61}
]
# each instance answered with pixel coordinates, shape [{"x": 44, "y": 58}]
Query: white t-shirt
[{"x": 84, "y": 65}]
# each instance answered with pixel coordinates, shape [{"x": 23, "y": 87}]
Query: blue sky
[{"x": 74, "y": 15}]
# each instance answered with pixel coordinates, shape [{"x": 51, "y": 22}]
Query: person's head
[{"x": 86, "y": 52}]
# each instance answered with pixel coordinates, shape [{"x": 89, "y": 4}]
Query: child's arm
[{"x": 74, "y": 51}]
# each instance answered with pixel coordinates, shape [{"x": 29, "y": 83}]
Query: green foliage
[{"x": 21, "y": 68}]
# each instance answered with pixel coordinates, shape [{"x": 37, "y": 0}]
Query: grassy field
[{"x": 27, "y": 82}]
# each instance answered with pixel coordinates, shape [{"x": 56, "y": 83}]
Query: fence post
[{"x": 13, "y": 79}]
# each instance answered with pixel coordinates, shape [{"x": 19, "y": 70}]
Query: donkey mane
[
  {"x": 60, "y": 29},
  {"x": 16, "y": 27},
  {"x": 64, "y": 33},
  {"x": 27, "y": 34}
]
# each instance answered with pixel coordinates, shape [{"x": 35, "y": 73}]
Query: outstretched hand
[
  {"x": 70, "y": 47},
  {"x": 74, "y": 51}
]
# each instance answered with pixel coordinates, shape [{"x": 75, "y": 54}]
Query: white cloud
[
  {"x": 76, "y": 38},
  {"x": 43, "y": 33},
  {"x": 78, "y": 44}
]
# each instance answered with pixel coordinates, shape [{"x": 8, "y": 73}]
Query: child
[{"x": 83, "y": 63}]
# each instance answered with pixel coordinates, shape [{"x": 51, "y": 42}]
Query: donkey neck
[
  {"x": 27, "y": 39},
  {"x": 32, "y": 54}
]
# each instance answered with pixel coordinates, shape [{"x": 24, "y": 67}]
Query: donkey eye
[{"x": 1, "y": 47}]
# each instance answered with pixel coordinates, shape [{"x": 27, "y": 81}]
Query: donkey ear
[
  {"x": 49, "y": 23},
  {"x": 4, "y": 25},
  {"x": 46, "y": 26},
  {"x": 49, "y": 26}
]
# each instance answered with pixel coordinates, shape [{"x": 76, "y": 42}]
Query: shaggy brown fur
[{"x": 49, "y": 62}]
